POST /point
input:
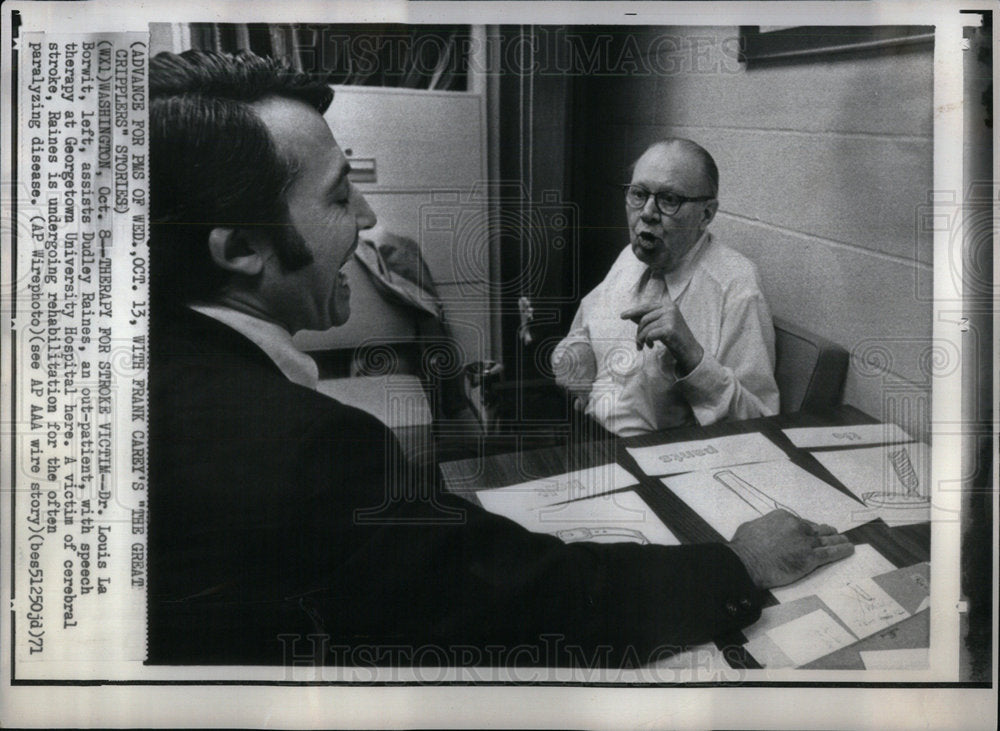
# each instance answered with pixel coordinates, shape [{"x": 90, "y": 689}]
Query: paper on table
[
  {"x": 863, "y": 606},
  {"x": 809, "y": 437},
  {"x": 567, "y": 486},
  {"x": 909, "y": 659},
  {"x": 893, "y": 480},
  {"x": 701, "y": 660},
  {"x": 670, "y": 459},
  {"x": 810, "y": 637},
  {"x": 725, "y": 498},
  {"x": 760, "y": 646},
  {"x": 864, "y": 563},
  {"x": 615, "y": 518}
]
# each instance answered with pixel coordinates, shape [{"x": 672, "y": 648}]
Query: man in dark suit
[{"x": 283, "y": 523}]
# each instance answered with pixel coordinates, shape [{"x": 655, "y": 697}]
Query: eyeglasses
[{"x": 667, "y": 203}]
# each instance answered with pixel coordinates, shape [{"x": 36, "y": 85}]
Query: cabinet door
[{"x": 420, "y": 158}]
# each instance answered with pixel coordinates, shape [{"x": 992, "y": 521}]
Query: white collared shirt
[
  {"x": 636, "y": 391},
  {"x": 272, "y": 338}
]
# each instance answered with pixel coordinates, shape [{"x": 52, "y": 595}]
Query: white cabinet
[{"x": 428, "y": 150}]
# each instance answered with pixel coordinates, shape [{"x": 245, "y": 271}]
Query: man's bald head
[{"x": 688, "y": 147}]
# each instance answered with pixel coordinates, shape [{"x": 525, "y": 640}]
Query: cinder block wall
[{"x": 824, "y": 164}]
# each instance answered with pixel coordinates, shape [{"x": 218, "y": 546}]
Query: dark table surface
[
  {"x": 902, "y": 545},
  {"x": 589, "y": 447}
]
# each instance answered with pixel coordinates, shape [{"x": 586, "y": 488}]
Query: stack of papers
[{"x": 837, "y": 606}]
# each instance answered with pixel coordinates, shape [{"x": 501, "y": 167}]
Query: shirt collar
[
  {"x": 270, "y": 337},
  {"x": 678, "y": 279}
]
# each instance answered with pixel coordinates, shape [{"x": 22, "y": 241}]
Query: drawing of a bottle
[{"x": 759, "y": 501}]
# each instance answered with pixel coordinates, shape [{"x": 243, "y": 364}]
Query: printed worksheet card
[
  {"x": 811, "y": 437},
  {"x": 863, "y": 606},
  {"x": 864, "y": 563},
  {"x": 612, "y": 518},
  {"x": 791, "y": 635},
  {"x": 702, "y": 454},
  {"x": 515, "y": 499},
  {"x": 727, "y": 497},
  {"x": 892, "y": 480}
]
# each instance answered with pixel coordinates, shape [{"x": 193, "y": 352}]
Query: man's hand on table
[{"x": 779, "y": 548}]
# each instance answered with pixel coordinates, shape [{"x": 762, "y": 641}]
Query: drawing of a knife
[{"x": 759, "y": 501}]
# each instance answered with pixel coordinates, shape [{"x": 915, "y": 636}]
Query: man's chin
[{"x": 649, "y": 257}]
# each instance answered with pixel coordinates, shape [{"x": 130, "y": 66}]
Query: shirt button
[
  {"x": 731, "y": 609},
  {"x": 745, "y": 604}
]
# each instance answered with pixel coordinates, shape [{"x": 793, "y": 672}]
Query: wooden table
[{"x": 901, "y": 545}]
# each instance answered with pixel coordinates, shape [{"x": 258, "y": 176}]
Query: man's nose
[
  {"x": 650, "y": 212},
  {"x": 363, "y": 213}
]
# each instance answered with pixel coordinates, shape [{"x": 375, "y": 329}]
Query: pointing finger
[{"x": 636, "y": 313}]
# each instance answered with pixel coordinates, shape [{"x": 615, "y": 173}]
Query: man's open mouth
[{"x": 647, "y": 241}]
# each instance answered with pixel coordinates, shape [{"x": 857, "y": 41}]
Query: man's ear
[
  {"x": 238, "y": 251},
  {"x": 711, "y": 207}
]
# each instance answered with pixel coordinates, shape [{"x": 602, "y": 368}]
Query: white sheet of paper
[
  {"x": 701, "y": 454},
  {"x": 514, "y": 499},
  {"x": 725, "y": 498},
  {"x": 909, "y": 659},
  {"x": 863, "y": 606},
  {"x": 809, "y": 637},
  {"x": 877, "y": 475},
  {"x": 864, "y": 563},
  {"x": 616, "y": 518},
  {"x": 808, "y": 437}
]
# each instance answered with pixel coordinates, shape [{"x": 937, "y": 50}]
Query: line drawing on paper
[
  {"x": 604, "y": 534},
  {"x": 750, "y": 494},
  {"x": 911, "y": 499},
  {"x": 867, "y": 611}
]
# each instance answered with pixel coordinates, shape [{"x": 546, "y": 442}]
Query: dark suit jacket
[{"x": 278, "y": 513}]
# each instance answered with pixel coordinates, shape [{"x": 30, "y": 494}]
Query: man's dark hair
[{"x": 213, "y": 163}]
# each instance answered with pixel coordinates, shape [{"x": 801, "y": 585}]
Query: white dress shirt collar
[{"x": 673, "y": 282}]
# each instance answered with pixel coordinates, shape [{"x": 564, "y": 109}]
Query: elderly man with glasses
[{"x": 678, "y": 332}]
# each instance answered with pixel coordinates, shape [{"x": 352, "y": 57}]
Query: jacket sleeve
[{"x": 392, "y": 560}]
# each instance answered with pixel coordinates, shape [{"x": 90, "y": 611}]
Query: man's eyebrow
[{"x": 342, "y": 172}]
